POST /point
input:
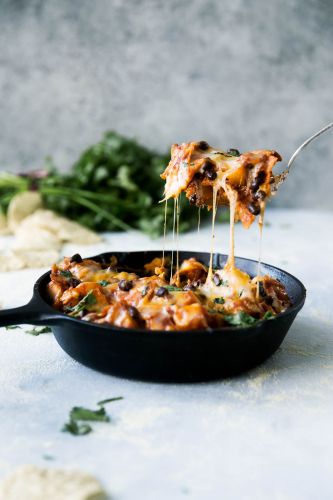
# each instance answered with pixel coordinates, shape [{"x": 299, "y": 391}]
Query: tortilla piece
[
  {"x": 36, "y": 258},
  {"x": 34, "y": 483},
  {"x": 10, "y": 262},
  {"x": 65, "y": 230},
  {"x": 22, "y": 205},
  {"x": 30, "y": 236},
  {"x": 3, "y": 225}
]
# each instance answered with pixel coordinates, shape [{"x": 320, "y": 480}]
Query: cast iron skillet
[{"x": 159, "y": 355}]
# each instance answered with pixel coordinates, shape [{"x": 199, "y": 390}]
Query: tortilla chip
[
  {"x": 22, "y": 205},
  {"x": 36, "y": 483},
  {"x": 36, "y": 258}
]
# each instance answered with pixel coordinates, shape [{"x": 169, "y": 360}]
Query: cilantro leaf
[
  {"x": 268, "y": 315},
  {"x": 104, "y": 282},
  {"x": 171, "y": 288},
  {"x": 38, "y": 330},
  {"x": 88, "y": 300},
  {"x": 12, "y": 327},
  {"x": 76, "y": 429},
  {"x": 240, "y": 319},
  {"x": 110, "y": 400},
  {"x": 66, "y": 274},
  {"x": 80, "y": 413}
]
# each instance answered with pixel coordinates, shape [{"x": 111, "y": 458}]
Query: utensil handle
[{"x": 31, "y": 314}]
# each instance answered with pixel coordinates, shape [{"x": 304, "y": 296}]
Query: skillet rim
[{"x": 101, "y": 329}]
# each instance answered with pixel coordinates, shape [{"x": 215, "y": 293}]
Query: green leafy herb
[
  {"x": 79, "y": 413},
  {"x": 240, "y": 319},
  {"x": 219, "y": 300},
  {"x": 233, "y": 152},
  {"x": 38, "y": 330},
  {"x": 268, "y": 315},
  {"x": 114, "y": 185},
  {"x": 76, "y": 428},
  {"x": 12, "y": 327},
  {"x": 171, "y": 288},
  {"x": 87, "y": 301},
  {"x": 66, "y": 274},
  {"x": 109, "y": 400},
  {"x": 144, "y": 291},
  {"x": 104, "y": 282}
]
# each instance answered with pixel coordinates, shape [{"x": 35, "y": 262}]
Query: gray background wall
[{"x": 240, "y": 73}]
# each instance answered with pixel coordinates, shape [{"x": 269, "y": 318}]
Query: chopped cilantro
[
  {"x": 110, "y": 400},
  {"x": 79, "y": 413},
  {"x": 240, "y": 319},
  {"x": 104, "y": 282},
  {"x": 38, "y": 330},
  {"x": 88, "y": 300},
  {"x": 268, "y": 315},
  {"x": 76, "y": 429},
  {"x": 12, "y": 327},
  {"x": 171, "y": 288},
  {"x": 66, "y": 274},
  {"x": 144, "y": 291},
  {"x": 233, "y": 152}
]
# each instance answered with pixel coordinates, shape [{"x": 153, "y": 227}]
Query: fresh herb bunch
[{"x": 114, "y": 185}]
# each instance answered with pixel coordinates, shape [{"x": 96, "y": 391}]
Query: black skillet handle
[{"x": 32, "y": 313}]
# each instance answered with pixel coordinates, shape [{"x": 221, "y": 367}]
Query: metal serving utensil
[{"x": 279, "y": 179}]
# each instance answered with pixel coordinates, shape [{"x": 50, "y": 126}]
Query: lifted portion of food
[
  {"x": 212, "y": 177},
  {"x": 109, "y": 294}
]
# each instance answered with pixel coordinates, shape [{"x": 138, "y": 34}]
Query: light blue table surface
[{"x": 264, "y": 434}]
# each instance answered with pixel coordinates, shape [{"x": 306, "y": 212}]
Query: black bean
[
  {"x": 198, "y": 176},
  {"x": 161, "y": 291},
  {"x": 203, "y": 145},
  {"x": 262, "y": 291},
  {"x": 261, "y": 176},
  {"x": 133, "y": 312},
  {"x": 268, "y": 300},
  {"x": 217, "y": 279},
  {"x": 254, "y": 208},
  {"x": 193, "y": 199},
  {"x": 207, "y": 165},
  {"x": 211, "y": 175},
  {"x": 76, "y": 258},
  {"x": 260, "y": 195},
  {"x": 74, "y": 282},
  {"x": 125, "y": 285}
]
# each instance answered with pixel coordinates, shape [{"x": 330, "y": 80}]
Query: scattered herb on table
[
  {"x": 39, "y": 330},
  {"x": 79, "y": 414},
  {"x": 76, "y": 428}
]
